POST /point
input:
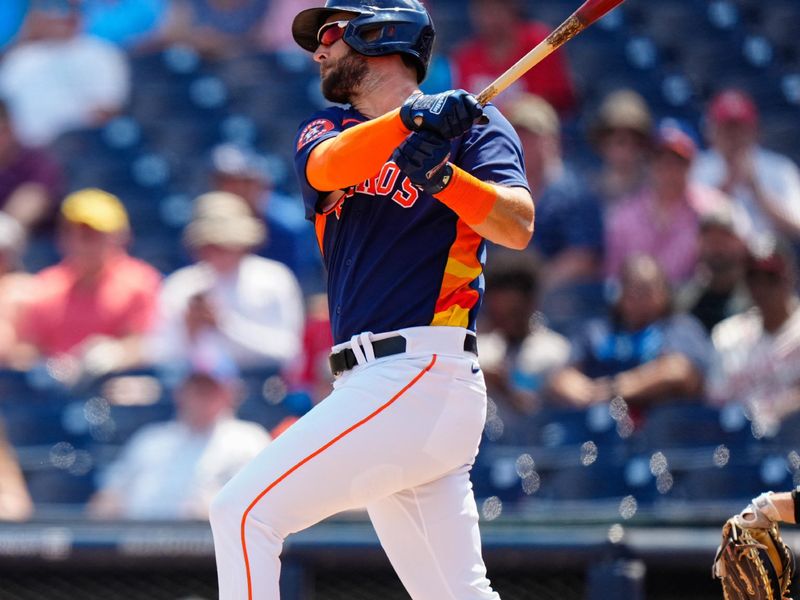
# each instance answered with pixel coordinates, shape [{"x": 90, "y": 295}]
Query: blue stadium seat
[
  {"x": 715, "y": 483},
  {"x": 705, "y": 61},
  {"x": 15, "y": 385},
  {"x": 35, "y": 424},
  {"x": 780, "y": 23},
  {"x": 788, "y": 436},
  {"x": 498, "y": 472},
  {"x": 556, "y": 427},
  {"x": 688, "y": 425},
  {"x": 53, "y": 486},
  {"x": 597, "y": 480},
  {"x": 780, "y": 131},
  {"x": 664, "y": 22}
]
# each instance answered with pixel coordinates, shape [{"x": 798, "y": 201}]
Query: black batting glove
[
  {"x": 450, "y": 114},
  {"x": 423, "y": 158}
]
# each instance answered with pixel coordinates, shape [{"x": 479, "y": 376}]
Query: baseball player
[
  {"x": 752, "y": 561},
  {"x": 771, "y": 507},
  {"x": 404, "y": 190}
]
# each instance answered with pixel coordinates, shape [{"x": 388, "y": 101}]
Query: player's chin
[{"x": 334, "y": 92}]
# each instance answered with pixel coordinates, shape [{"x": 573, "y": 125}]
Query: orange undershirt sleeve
[{"x": 356, "y": 154}]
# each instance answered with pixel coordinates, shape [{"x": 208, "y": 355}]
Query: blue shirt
[
  {"x": 567, "y": 216},
  {"x": 604, "y": 348},
  {"x": 397, "y": 257}
]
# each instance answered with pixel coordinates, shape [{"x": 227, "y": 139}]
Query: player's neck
[{"x": 382, "y": 91}]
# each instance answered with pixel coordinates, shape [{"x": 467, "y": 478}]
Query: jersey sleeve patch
[{"x": 313, "y": 131}]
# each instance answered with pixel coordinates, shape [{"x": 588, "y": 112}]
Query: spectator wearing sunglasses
[{"x": 758, "y": 362}]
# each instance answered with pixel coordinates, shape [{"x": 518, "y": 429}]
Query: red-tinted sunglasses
[{"x": 331, "y": 32}]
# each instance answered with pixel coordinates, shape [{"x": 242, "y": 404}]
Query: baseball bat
[{"x": 589, "y": 12}]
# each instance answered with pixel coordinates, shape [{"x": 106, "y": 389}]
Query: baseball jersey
[{"x": 396, "y": 257}]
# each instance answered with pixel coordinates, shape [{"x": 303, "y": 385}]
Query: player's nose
[{"x": 321, "y": 53}]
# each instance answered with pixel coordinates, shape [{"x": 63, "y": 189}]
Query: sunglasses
[{"x": 331, "y": 32}]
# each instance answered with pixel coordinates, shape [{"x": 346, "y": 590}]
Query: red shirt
[
  {"x": 550, "y": 79},
  {"x": 121, "y": 302}
]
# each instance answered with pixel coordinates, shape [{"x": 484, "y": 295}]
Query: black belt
[{"x": 344, "y": 360}]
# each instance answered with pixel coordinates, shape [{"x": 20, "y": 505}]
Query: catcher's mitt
[{"x": 753, "y": 563}]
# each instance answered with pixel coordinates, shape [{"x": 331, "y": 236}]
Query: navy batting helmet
[{"x": 402, "y": 26}]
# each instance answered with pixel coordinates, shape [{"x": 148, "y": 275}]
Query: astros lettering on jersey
[{"x": 397, "y": 257}]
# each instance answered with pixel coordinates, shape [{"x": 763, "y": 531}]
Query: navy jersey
[{"x": 397, "y": 257}]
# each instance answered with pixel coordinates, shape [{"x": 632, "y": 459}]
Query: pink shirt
[
  {"x": 635, "y": 226},
  {"x": 121, "y": 303}
]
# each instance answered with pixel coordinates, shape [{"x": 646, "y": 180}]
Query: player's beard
[{"x": 342, "y": 79}]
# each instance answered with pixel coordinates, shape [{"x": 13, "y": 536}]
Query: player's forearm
[
  {"x": 356, "y": 154},
  {"x": 785, "y": 504},
  {"x": 510, "y": 222}
]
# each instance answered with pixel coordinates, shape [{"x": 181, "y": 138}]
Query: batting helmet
[{"x": 402, "y": 26}]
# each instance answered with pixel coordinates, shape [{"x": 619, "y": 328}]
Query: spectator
[
  {"x": 758, "y": 350},
  {"x": 15, "y": 285},
  {"x": 622, "y": 135},
  {"x": 518, "y": 352},
  {"x": 663, "y": 219},
  {"x": 766, "y": 185},
  {"x": 214, "y": 28},
  {"x": 126, "y": 23},
  {"x": 569, "y": 228},
  {"x": 92, "y": 308},
  {"x": 172, "y": 470},
  {"x": 312, "y": 373},
  {"x": 276, "y": 26},
  {"x": 503, "y": 36},
  {"x": 231, "y": 303},
  {"x": 58, "y": 78},
  {"x": 30, "y": 179},
  {"x": 642, "y": 352},
  {"x": 717, "y": 289},
  {"x": 242, "y": 172},
  {"x": 15, "y": 501}
]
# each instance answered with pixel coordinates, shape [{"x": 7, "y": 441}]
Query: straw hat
[{"x": 223, "y": 219}]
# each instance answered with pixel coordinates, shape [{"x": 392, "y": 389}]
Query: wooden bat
[{"x": 589, "y": 12}]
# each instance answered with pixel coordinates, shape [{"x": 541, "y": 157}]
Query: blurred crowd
[{"x": 665, "y": 274}]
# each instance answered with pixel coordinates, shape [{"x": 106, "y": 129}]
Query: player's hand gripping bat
[{"x": 589, "y": 12}]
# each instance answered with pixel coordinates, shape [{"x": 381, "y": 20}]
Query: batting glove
[
  {"x": 423, "y": 158},
  {"x": 761, "y": 513},
  {"x": 450, "y": 114}
]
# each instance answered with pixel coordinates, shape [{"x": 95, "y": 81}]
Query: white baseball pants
[{"x": 398, "y": 436}]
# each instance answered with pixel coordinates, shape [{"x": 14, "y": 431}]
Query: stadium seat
[
  {"x": 704, "y": 61},
  {"x": 687, "y": 426},
  {"x": 780, "y": 131},
  {"x": 597, "y": 480},
  {"x": 53, "y": 486},
  {"x": 663, "y": 21},
  {"x": 556, "y": 427},
  {"x": 35, "y": 424},
  {"x": 715, "y": 483},
  {"x": 15, "y": 385},
  {"x": 780, "y": 24},
  {"x": 788, "y": 436}
]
